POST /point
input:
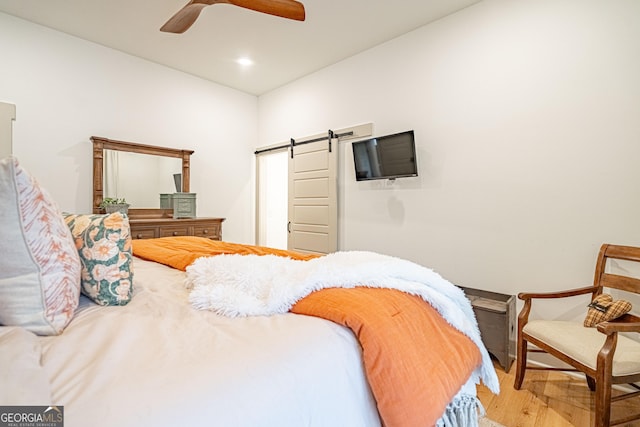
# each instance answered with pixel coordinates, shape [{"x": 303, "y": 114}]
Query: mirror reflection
[{"x": 139, "y": 178}]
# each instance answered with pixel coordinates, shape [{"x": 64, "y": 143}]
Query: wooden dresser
[
  {"x": 149, "y": 223},
  {"x": 149, "y": 228}
]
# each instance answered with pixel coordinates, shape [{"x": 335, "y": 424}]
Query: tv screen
[{"x": 385, "y": 157}]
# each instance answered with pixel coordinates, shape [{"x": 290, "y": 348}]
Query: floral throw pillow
[{"x": 104, "y": 246}]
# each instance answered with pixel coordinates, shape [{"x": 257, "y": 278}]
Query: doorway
[
  {"x": 272, "y": 199},
  {"x": 7, "y": 116}
]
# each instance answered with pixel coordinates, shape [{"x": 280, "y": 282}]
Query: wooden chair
[{"x": 604, "y": 356}]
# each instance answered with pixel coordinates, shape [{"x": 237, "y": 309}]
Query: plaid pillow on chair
[{"x": 603, "y": 308}]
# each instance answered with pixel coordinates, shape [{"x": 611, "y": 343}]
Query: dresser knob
[
  {"x": 205, "y": 231},
  {"x": 175, "y": 233},
  {"x": 139, "y": 236}
]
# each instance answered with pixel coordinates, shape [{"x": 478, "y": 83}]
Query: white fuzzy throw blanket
[{"x": 252, "y": 285}]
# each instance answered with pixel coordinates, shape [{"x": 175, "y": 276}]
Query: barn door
[{"x": 313, "y": 206}]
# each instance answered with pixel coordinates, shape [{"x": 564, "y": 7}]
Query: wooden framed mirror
[{"x": 100, "y": 145}]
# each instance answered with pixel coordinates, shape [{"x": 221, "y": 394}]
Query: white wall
[
  {"x": 527, "y": 120},
  {"x": 67, "y": 90}
]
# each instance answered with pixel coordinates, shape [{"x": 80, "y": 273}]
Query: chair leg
[
  {"x": 591, "y": 382},
  {"x": 521, "y": 362},
  {"x": 603, "y": 402}
]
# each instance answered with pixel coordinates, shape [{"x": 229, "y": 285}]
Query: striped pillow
[{"x": 39, "y": 266}]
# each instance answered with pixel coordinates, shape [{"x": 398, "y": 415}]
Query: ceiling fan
[{"x": 185, "y": 17}]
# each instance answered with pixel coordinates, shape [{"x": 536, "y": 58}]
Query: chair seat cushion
[{"x": 583, "y": 344}]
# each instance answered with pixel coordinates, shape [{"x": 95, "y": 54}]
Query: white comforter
[
  {"x": 246, "y": 285},
  {"x": 159, "y": 362}
]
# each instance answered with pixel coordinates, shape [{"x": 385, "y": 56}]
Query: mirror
[
  {"x": 139, "y": 173},
  {"x": 139, "y": 178}
]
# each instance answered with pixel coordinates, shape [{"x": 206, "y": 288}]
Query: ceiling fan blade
[
  {"x": 289, "y": 9},
  {"x": 181, "y": 21},
  {"x": 184, "y": 18}
]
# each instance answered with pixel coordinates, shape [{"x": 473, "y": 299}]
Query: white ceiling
[{"x": 282, "y": 50}]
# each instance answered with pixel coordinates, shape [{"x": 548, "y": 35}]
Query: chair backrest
[{"x": 616, "y": 281}]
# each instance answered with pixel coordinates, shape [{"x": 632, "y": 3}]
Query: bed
[{"x": 153, "y": 356}]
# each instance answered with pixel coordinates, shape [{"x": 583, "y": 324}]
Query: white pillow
[{"x": 39, "y": 264}]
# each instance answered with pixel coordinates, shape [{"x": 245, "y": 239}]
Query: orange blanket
[
  {"x": 414, "y": 360},
  {"x": 179, "y": 252}
]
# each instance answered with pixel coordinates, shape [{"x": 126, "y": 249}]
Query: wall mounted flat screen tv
[{"x": 385, "y": 157}]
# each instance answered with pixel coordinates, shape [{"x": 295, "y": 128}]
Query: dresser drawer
[
  {"x": 175, "y": 231},
  {"x": 144, "y": 233},
  {"x": 149, "y": 228},
  {"x": 212, "y": 231}
]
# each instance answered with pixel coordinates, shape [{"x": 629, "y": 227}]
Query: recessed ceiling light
[{"x": 244, "y": 61}]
